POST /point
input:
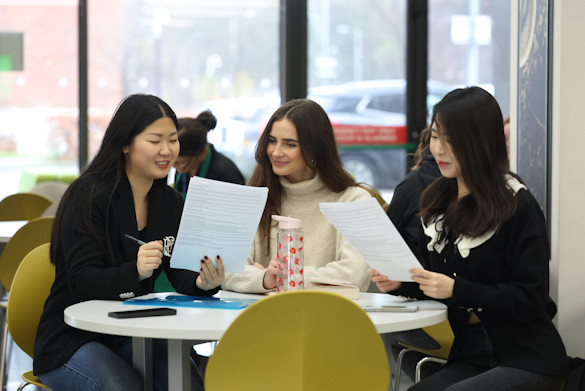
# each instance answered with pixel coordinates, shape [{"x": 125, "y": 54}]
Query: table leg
[
  {"x": 179, "y": 364},
  {"x": 142, "y": 360}
]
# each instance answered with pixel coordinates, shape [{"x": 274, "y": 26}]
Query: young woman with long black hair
[
  {"x": 485, "y": 251},
  {"x": 122, "y": 192}
]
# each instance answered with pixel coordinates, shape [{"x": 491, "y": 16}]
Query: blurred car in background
[{"x": 369, "y": 120}]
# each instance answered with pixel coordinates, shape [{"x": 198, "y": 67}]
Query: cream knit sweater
[{"x": 327, "y": 252}]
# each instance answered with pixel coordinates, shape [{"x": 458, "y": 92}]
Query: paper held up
[
  {"x": 365, "y": 225},
  {"x": 219, "y": 218}
]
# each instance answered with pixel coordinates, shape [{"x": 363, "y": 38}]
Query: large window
[
  {"x": 469, "y": 44},
  {"x": 216, "y": 54},
  {"x": 357, "y": 58},
  {"x": 220, "y": 55},
  {"x": 38, "y": 92},
  {"x": 224, "y": 55}
]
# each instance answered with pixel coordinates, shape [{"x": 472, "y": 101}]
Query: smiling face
[
  {"x": 445, "y": 158},
  {"x": 284, "y": 152},
  {"x": 153, "y": 151}
]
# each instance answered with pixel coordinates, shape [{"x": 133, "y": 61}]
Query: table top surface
[
  {"x": 207, "y": 324},
  {"x": 9, "y": 228}
]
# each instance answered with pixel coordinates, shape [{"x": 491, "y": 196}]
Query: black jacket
[
  {"x": 505, "y": 281},
  {"x": 85, "y": 270},
  {"x": 403, "y": 207}
]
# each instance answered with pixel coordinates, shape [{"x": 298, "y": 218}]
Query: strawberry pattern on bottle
[{"x": 290, "y": 259}]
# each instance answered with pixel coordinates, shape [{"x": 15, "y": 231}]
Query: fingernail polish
[
  {"x": 217, "y": 257},
  {"x": 202, "y": 261},
  {"x": 205, "y": 257}
]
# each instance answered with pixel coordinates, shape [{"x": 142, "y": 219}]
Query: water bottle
[{"x": 289, "y": 254}]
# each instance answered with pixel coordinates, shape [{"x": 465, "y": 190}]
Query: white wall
[{"x": 568, "y": 172}]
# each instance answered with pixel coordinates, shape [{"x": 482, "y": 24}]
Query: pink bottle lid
[{"x": 288, "y": 222}]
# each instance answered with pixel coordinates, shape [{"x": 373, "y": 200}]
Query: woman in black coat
[
  {"x": 485, "y": 251},
  {"x": 122, "y": 192}
]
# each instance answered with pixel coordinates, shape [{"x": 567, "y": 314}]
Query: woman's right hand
[
  {"x": 149, "y": 258},
  {"x": 269, "y": 281},
  {"x": 383, "y": 283}
]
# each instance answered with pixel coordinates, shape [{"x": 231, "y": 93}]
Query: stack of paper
[{"x": 343, "y": 288}]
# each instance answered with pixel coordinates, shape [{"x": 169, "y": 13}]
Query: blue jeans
[
  {"x": 477, "y": 368},
  {"x": 460, "y": 376},
  {"x": 96, "y": 367}
]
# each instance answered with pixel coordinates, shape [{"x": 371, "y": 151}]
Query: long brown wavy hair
[
  {"x": 471, "y": 120},
  {"x": 317, "y": 142}
]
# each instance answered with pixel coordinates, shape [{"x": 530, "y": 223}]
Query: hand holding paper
[{"x": 371, "y": 232}]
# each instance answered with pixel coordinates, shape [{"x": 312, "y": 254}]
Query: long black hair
[
  {"x": 470, "y": 120},
  {"x": 107, "y": 169}
]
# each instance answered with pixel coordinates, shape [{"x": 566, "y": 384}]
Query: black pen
[{"x": 140, "y": 242}]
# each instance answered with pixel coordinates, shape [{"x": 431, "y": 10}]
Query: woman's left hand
[
  {"x": 209, "y": 276},
  {"x": 435, "y": 285}
]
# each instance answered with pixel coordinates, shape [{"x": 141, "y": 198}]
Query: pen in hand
[{"x": 140, "y": 242}]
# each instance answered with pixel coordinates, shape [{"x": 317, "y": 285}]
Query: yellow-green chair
[
  {"x": 32, "y": 234},
  {"x": 23, "y": 206},
  {"x": 25, "y": 305},
  {"x": 443, "y": 335},
  {"x": 301, "y": 340}
]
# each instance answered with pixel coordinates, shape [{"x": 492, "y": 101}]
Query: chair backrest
[
  {"x": 23, "y": 206},
  {"x": 443, "y": 335},
  {"x": 29, "y": 236},
  {"x": 54, "y": 191},
  {"x": 301, "y": 340},
  {"x": 30, "y": 288}
]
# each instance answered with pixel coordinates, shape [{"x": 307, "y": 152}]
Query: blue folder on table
[{"x": 193, "y": 302}]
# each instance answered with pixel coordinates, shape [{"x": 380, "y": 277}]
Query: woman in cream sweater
[{"x": 297, "y": 160}]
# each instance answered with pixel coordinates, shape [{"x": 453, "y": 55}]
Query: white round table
[{"x": 193, "y": 325}]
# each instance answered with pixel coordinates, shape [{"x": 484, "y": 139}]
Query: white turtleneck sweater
[{"x": 326, "y": 252}]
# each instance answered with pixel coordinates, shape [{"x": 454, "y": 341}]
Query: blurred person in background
[{"x": 199, "y": 158}]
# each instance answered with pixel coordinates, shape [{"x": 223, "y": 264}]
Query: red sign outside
[{"x": 370, "y": 135}]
